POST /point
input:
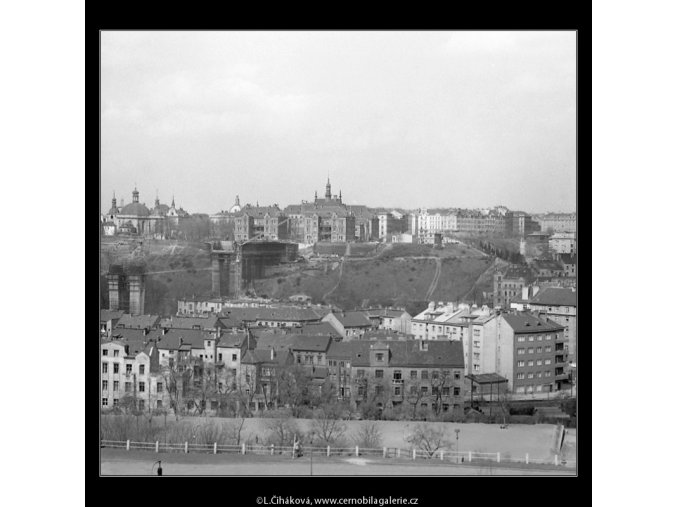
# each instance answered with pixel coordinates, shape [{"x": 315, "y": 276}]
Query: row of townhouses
[{"x": 241, "y": 356}]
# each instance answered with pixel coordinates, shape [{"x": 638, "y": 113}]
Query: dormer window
[{"x": 379, "y": 356}]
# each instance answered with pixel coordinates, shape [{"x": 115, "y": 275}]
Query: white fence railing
[{"x": 442, "y": 455}]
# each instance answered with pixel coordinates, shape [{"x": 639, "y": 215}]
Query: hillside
[{"x": 402, "y": 275}]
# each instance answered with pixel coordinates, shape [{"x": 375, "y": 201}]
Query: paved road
[{"x": 120, "y": 462}]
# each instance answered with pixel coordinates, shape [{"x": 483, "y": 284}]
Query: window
[
  {"x": 435, "y": 374},
  {"x": 476, "y": 367},
  {"x": 520, "y": 364},
  {"x": 445, "y": 391},
  {"x": 378, "y": 390},
  {"x": 142, "y": 369},
  {"x": 142, "y": 404},
  {"x": 457, "y": 391},
  {"x": 379, "y": 356},
  {"x": 220, "y": 356},
  {"x": 530, "y": 363},
  {"x": 520, "y": 376},
  {"x": 104, "y": 368},
  {"x": 548, "y": 337},
  {"x": 539, "y": 374},
  {"x": 531, "y": 338},
  {"x": 360, "y": 373},
  {"x": 105, "y": 352},
  {"x": 128, "y": 369},
  {"x": 159, "y": 404},
  {"x": 234, "y": 357},
  {"x": 548, "y": 361},
  {"x": 379, "y": 374},
  {"x": 412, "y": 389},
  {"x": 116, "y": 367},
  {"x": 142, "y": 387},
  {"x": 398, "y": 391},
  {"x": 548, "y": 348},
  {"x": 539, "y": 350},
  {"x": 104, "y": 385},
  {"x": 413, "y": 374},
  {"x": 116, "y": 353},
  {"x": 424, "y": 390},
  {"x": 548, "y": 373},
  {"x": 424, "y": 406},
  {"x": 520, "y": 352},
  {"x": 540, "y": 337},
  {"x": 209, "y": 344},
  {"x": 476, "y": 355},
  {"x": 539, "y": 362},
  {"x": 445, "y": 407},
  {"x": 214, "y": 405},
  {"x": 360, "y": 391},
  {"x": 116, "y": 385},
  {"x": 457, "y": 375},
  {"x": 397, "y": 375},
  {"x": 476, "y": 344},
  {"x": 531, "y": 351},
  {"x": 424, "y": 375},
  {"x": 128, "y": 387},
  {"x": 104, "y": 402},
  {"x": 159, "y": 387},
  {"x": 530, "y": 375}
]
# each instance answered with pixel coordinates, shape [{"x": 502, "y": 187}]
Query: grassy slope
[{"x": 386, "y": 280}]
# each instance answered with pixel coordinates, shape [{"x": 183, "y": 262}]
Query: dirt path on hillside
[
  {"x": 324, "y": 298},
  {"x": 484, "y": 276},
  {"x": 436, "y": 278}
]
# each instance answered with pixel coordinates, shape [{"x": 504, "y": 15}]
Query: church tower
[
  {"x": 327, "y": 193},
  {"x": 135, "y": 195}
]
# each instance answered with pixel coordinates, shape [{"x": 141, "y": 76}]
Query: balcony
[{"x": 398, "y": 381}]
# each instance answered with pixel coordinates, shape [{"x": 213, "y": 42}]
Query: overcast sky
[{"x": 406, "y": 119}]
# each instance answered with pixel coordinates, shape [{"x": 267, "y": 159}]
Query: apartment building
[
  {"x": 530, "y": 353},
  {"x": 418, "y": 375}
]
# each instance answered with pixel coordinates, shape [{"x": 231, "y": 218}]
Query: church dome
[
  {"x": 113, "y": 211},
  {"x": 135, "y": 209},
  {"x": 160, "y": 210}
]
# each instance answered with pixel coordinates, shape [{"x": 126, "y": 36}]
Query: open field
[
  {"x": 515, "y": 441},
  {"x": 121, "y": 462}
]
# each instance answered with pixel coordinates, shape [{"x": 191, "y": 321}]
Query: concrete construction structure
[
  {"x": 126, "y": 289},
  {"x": 136, "y": 219},
  {"x": 236, "y": 265}
]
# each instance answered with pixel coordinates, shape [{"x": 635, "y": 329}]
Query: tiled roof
[
  {"x": 138, "y": 321},
  {"x": 262, "y": 356},
  {"x": 440, "y": 354},
  {"x": 173, "y": 339},
  {"x": 547, "y": 264},
  {"x": 318, "y": 328},
  {"x": 235, "y": 316},
  {"x": 209, "y": 322},
  {"x": 524, "y": 322},
  {"x": 232, "y": 339},
  {"x": 353, "y": 319},
  {"x": 555, "y": 296},
  {"x": 311, "y": 343}
]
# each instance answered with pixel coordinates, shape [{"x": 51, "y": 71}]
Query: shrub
[{"x": 368, "y": 435}]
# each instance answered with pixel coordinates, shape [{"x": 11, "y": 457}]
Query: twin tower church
[{"x": 136, "y": 219}]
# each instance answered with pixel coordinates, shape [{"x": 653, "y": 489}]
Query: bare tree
[
  {"x": 414, "y": 396},
  {"x": 428, "y": 438},
  {"x": 327, "y": 425},
  {"x": 282, "y": 430},
  {"x": 440, "y": 382},
  {"x": 177, "y": 378},
  {"x": 368, "y": 435}
]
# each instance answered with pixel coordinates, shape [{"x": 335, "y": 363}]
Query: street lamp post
[{"x": 457, "y": 432}]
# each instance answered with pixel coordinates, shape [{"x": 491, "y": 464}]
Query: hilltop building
[{"x": 136, "y": 219}]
